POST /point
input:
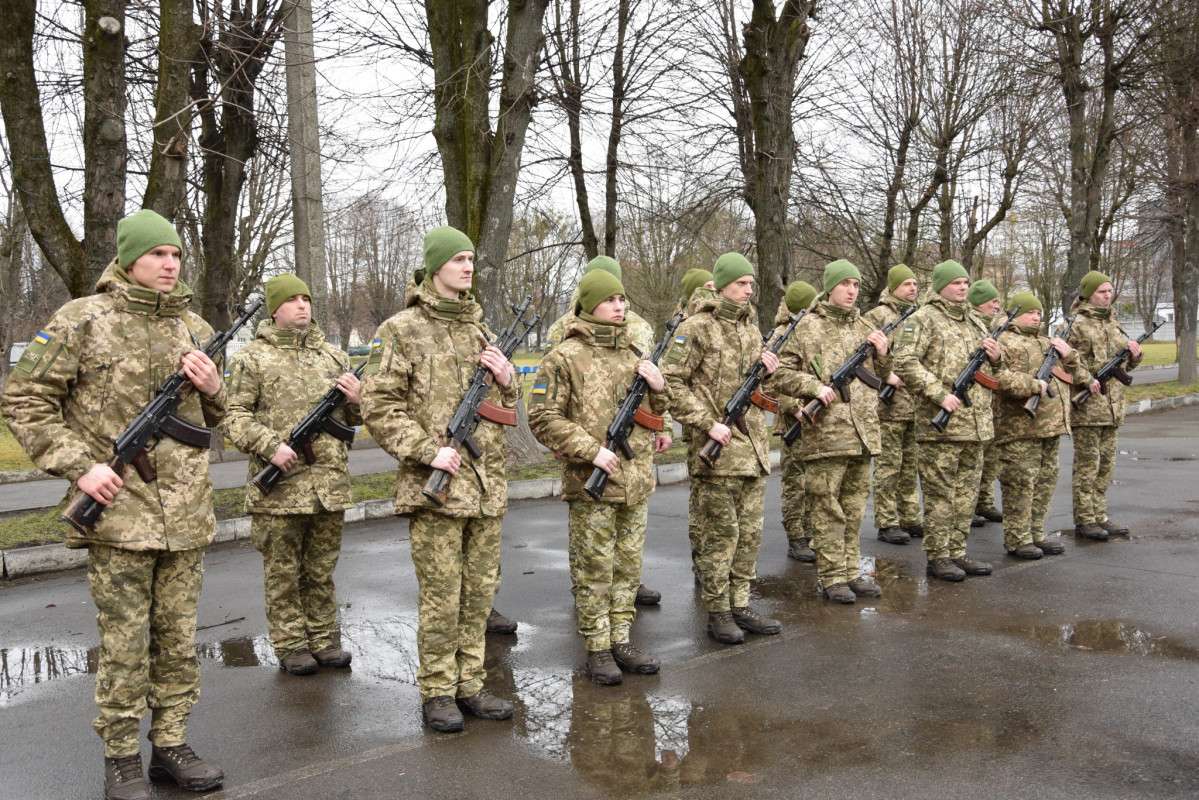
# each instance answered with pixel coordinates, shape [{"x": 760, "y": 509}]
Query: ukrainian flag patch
[{"x": 42, "y": 338}]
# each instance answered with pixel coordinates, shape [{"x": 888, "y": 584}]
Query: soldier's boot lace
[
  {"x": 185, "y": 768},
  {"x": 123, "y": 779},
  {"x": 723, "y": 628},
  {"x": 750, "y": 620},
  {"x": 630, "y": 659},
  {"x": 602, "y": 668}
]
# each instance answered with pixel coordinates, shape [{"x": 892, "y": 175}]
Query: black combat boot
[
  {"x": 799, "y": 549},
  {"x": 486, "y": 705},
  {"x": 123, "y": 779},
  {"x": 990, "y": 514},
  {"x": 915, "y": 531},
  {"x": 893, "y": 535},
  {"x": 185, "y": 768},
  {"x": 646, "y": 596}
]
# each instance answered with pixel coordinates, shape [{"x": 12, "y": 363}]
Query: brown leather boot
[
  {"x": 1050, "y": 548},
  {"x": 299, "y": 662},
  {"x": 945, "y": 569},
  {"x": 1092, "y": 530},
  {"x": 185, "y": 768},
  {"x": 498, "y": 623},
  {"x": 1028, "y": 551},
  {"x": 990, "y": 514},
  {"x": 1114, "y": 528},
  {"x": 123, "y": 779},
  {"x": 630, "y": 659},
  {"x": 486, "y": 705},
  {"x": 893, "y": 535},
  {"x": 602, "y": 668},
  {"x": 799, "y": 549},
  {"x": 332, "y": 657},
  {"x": 972, "y": 566},
  {"x": 442, "y": 714},
  {"x": 864, "y": 588},
  {"x": 839, "y": 593},
  {"x": 749, "y": 620},
  {"x": 646, "y": 596},
  {"x": 723, "y": 628}
]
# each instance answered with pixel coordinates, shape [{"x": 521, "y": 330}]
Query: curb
[{"x": 1146, "y": 406}]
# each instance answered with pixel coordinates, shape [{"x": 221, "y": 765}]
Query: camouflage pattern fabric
[
  {"x": 95, "y": 365},
  {"x": 896, "y": 476},
  {"x": 273, "y": 383},
  {"x": 837, "y": 492},
  {"x": 988, "y": 475},
  {"x": 606, "y": 540},
  {"x": 1028, "y": 478},
  {"x": 731, "y": 509},
  {"x": 794, "y": 483},
  {"x": 612, "y": 742},
  {"x": 1094, "y": 466},
  {"x": 299, "y": 555},
  {"x": 949, "y": 476},
  {"x": 146, "y": 617},
  {"x": 1023, "y": 351},
  {"x": 1097, "y": 337},
  {"x": 457, "y": 565},
  {"x": 903, "y": 406}
]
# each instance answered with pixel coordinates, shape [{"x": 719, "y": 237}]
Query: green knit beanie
[
  {"x": 838, "y": 271},
  {"x": 442, "y": 244},
  {"x": 897, "y": 275},
  {"x": 692, "y": 280},
  {"x": 607, "y": 264},
  {"x": 729, "y": 267},
  {"x": 281, "y": 287},
  {"x": 140, "y": 233},
  {"x": 1090, "y": 282},
  {"x": 980, "y": 292},
  {"x": 799, "y": 296},
  {"x": 1027, "y": 302},
  {"x": 596, "y": 287},
  {"x": 946, "y": 273}
]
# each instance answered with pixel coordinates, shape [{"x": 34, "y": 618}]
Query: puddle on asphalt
[{"x": 1103, "y": 636}]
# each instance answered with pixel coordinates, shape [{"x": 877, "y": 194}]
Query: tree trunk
[
  {"x": 179, "y": 47},
  {"x": 1186, "y": 279}
]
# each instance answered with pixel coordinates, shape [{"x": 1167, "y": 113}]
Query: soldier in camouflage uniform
[
  {"x": 705, "y": 365},
  {"x": 1097, "y": 337},
  {"x": 644, "y": 343},
  {"x": 273, "y": 383},
  {"x": 87, "y": 374},
  {"x": 799, "y": 297},
  {"x": 1027, "y": 446},
  {"x": 897, "y": 513},
  {"x": 420, "y": 365},
  {"x": 580, "y": 387},
  {"x": 933, "y": 348},
  {"x": 984, "y": 297},
  {"x": 697, "y": 286},
  {"x": 837, "y": 449}
]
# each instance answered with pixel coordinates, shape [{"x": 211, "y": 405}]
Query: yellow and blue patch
[{"x": 42, "y": 338}]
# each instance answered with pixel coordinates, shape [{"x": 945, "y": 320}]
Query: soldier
[
  {"x": 704, "y": 367},
  {"x": 1027, "y": 446},
  {"x": 984, "y": 297},
  {"x": 933, "y": 348},
  {"x": 580, "y": 387},
  {"x": 799, "y": 297},
  {"x": 897, "y": 513},
  {"x": 273, "y": 383},
  {"x": 836, "y": 450},
  {"x": 420, "y": 364},
  {"x": 697, "y": 286},
  {"x": 1097, "y": 336},
  {"x": 643, "y": 342},
  {"x": 84, "y": 378}
]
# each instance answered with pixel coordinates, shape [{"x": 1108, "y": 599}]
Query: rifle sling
[
  {"x": 764, "y": 401},
  {"x": 649, "y": 421},
  {"x": 497, "y": 414},
  {"x": 183, "y": 431}
]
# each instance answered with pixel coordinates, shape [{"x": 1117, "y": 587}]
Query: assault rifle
[
  {"x": 887, "y": 393},
  {"x": 617, "y": 437},
  {"x": 961, "y": 384},
  {"x": 462, "y": 425},
  {"x": 734, "y": 410},
  {"x": 157, "y": 419},
  {"x": 854, "y": 367},
  {"x": 1045, "y": 373},
  {"x": 300, "y": 439},
  {"x": 1114, "y": 369}
]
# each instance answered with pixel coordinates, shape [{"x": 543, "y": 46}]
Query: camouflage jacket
[
  {"x": 1097, "y": 337},
  {"x": 420, "y": 365},
  {"x": 273, "y": 383},
  {"x": 788, "y": 406},
  {"x": 889, "y": 309},
  {"x": 580, "y": 386},
  {"x": 698, "y": 297},
  {"x": 933, "y": 348},
  {"x": 1023, "y": 352},
  {"x": 94, "y": 366},
  {"x": 820, "y": 344},
  {"x": 705, "y": 365}
]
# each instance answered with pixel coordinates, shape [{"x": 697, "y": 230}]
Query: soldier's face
[
  {"x": 611, "y": 310},
  {"x": 991, "y": 307},
  {"x": 295, "y": 312},
  {"x": 1031, "y": 317},
  {"x": 1104, "y": 295},
  {"x": 157, "y": 268},
  {"x": 907, "y": 290},
  {"x": 454, "y": 276},
  {"x": 956, "y": 290},
  {"x": 710, "y": 285},
  {"x": 740, "y": 290},
  {"x": 845, "y": 293}
]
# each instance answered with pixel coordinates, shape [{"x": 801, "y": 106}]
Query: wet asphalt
[{"x": 1076, "y": 676}]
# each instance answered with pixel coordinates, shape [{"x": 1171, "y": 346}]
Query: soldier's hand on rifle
[
  {"x": 770, "y": 361},
  {"x": 951, "y": 403},
  {"x": 350, "y": 387},
  {"x": 448, "y": 460},
  {"x": 101, "y": 483},
  {"x": 1044, "y": 387},
  {"x": 878, "y": 340},
  {"x": 203, "y": 374},
  {"x": 826, "y": 395},
  {"x": 992, "y": 349},
  {"x": 894, "y": 380},
  {"x": 1135, "y": 349},
  {"x": 653, "y": 376},
  {"x": 1060, "y": 346},
  {"x": 284, "y": 457},
  {"x": 1095, "y": 386},
  {"x": 493, "y": 358},
  {"x": 720, "y": 433},
  {"x": 606, "y": 460},
  {"x": 662, "y": 442}
]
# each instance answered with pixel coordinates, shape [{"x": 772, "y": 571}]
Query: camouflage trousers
[
  {"x": 146, "y": 615},
  {"x": 949, "y": 476},
  {"x": 1028, "y": 478},
  {"x": 694, "y": 528},
  {"x": 730, "y": 510},
  {"x": 838, "y": 488},
  {"x": 896, "y": 476},
  {"x": 612, "y": 741},
  {"x": 457, "y": 564},
  {"x": 992, "y": 465},
  {"x": 299, "y": 554},
  {"x": 793, "y": 493},
  {"x": 1094, "y": 466},
  {"x": 606, "y": 540}
]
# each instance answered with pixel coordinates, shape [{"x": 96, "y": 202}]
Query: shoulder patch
[
  {"x": 909, "y": 334},
  {"x": 374, "y": 359},
  {"x": 39, "y": 354},
  {"x": 677, "y": 351}
]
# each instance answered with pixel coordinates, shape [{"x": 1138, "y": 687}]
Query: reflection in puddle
[
  {"x": 1104, "y": 636},
  {"x": 21, "y": 667}
]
